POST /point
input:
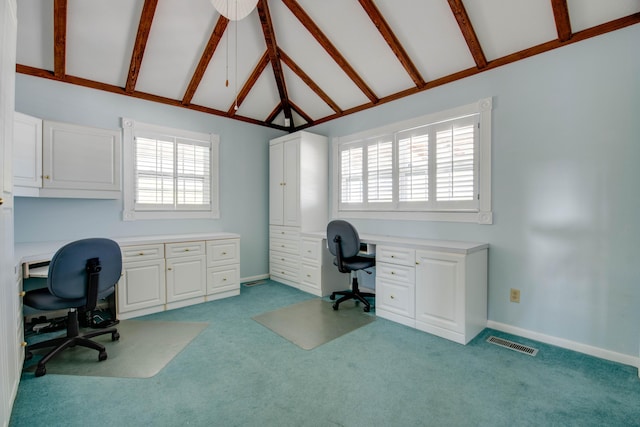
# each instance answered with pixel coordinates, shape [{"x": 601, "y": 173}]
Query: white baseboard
[
  {"x": 613, "y": 356},
  {"x": 254, "y": 278}
]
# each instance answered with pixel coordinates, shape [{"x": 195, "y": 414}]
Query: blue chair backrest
[
  {"x": 67, "y": 271},
  {"x": 349, "y": 238}
]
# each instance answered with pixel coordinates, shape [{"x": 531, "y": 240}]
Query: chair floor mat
[
  {"x": 144, "y": 348},
  {"x": 311, "y": 323}
]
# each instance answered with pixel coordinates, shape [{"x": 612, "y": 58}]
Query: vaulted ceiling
[{"x": 292, "y": 64}]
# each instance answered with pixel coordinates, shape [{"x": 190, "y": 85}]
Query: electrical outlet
[{"x": 514, "y": 295}]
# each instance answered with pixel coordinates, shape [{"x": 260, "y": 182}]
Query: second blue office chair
[
  {"x": 344, "y": 243},
  {"x": 80, "y": 273}
]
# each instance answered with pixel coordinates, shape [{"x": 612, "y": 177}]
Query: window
[
  {"x": 169, "y": 173},
  {"x": 435, "y": 167}
]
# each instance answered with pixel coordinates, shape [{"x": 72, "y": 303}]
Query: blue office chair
[
  {"x": 344, "y": 243},
  {"x": 80, "y": 273}
]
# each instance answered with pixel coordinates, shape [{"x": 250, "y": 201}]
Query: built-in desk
[
  {"x": 437, "y": 286},
  {"x": 159, "y": 272}
]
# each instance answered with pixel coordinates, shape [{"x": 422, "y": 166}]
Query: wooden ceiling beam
[
  {"x": 59, "y": 38},
  {"x": 459, "y": 11},
  {"x": 393, "y": 42},
  {"x": 315, "y": 31},
  {"x": 561, "y": 16},
  {"x": 274, "y": 113},
  {"x": 272, "y": 50},
  {"x": 301, "y": 113},
  {"x": 308, "y": 81},
  {"x": 251, "y": 81},
  {"x": 144, "y": 27},
  {"x": 207, "y": 54}
]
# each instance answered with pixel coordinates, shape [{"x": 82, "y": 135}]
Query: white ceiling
[{"x": 101, "y": 35}]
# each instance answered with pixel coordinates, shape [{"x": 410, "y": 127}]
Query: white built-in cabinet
[
  {"x": 54, "y": 159},
  {"x": 166, "y": 275},
  {"x": 11, "y": 350},
  {"x": 440, "y": 290},
  {"x": 298, "y": 202}
]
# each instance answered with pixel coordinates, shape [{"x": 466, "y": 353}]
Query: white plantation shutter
[
  {"x": 456, "y": 161},
  {"x": 380, "y": 170},
  {"x": 351, "y": 169},
  {"x": 413, "y": 165},
  {"x": 435, "y": 167},
  {"x": 172, "y": 173}
]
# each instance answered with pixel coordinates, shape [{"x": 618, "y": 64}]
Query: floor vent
[
  {"x": 254, "y": 283},
  {"x": 513, "y": 346}
]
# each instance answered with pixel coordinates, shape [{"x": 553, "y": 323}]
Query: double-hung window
[
  {"x": 169, "y": 173},
  {"x": 435, "y": 167}
]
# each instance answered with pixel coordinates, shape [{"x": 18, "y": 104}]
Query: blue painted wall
[
  {"x": 565, "y": 188},
  {"x": 565, "y": 184}
]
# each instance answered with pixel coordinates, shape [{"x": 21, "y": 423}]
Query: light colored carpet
[
  {"x": 309, "y": 324},
  {"x": 144, "y": 348}
]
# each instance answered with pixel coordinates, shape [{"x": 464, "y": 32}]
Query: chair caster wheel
[
  {"x": 40, "y": 371},
  {"x": 335, "y": 306},
  {"x": 28, "y": 355},
  {"x": 115, "y": 336},
  {"x": 332, "y": 297},
  {"x": 102, "y": 356}
]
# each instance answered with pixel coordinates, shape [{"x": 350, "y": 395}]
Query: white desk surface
[
  {"x": 44, "y": 251},
  {"x": 434, "y": 245}
]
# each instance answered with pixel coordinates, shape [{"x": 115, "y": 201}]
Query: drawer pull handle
[
  {"x": 141, "y": 253},
  {"x": 169, "y": 269},
  {"x": 23, "y": 344},
  {"x": 186, "y": 250},
  {"x": 224, "y": 279},
  {"x": 224, "y": 253},
  {"x": 282, "y": 246},
  {"x": 22, "y": 293},
  {"x": 393, "y": 256},
  {"x": 393, "y": 273},
  {"x": 308, "y": 275},
  {"x": 392, "y": 297}
]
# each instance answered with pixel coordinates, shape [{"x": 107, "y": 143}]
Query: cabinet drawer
[
  {"x": 396, "y": 273},
  {"x": 222, "y": 252},
  {"x": 290, "y": 233},
  {"x": 284, "y": 271},
  {"x": 310, "y": 275},
  {"x": 183, "y": 249},
  {"x": 396, "y": 255},
  {"x": 311, "y": 249},
  {"x": 142, "y": 252},
  {"x": 281, "y": 245},
  {"x": 286, "y": 259},
  {"x": 221, "y": 279},
  {"x": 397, "y": 298}
]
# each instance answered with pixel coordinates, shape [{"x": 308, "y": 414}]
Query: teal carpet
[{"x": 236, "y": 372}]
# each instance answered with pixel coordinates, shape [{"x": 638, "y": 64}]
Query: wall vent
[{"x": 513, "y": 346}]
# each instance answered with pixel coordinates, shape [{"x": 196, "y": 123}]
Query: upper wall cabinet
[
  {"x": 27, "y": 154},
  {"x": 55, "y": 159},
  {"x": 298, "y": 175}
]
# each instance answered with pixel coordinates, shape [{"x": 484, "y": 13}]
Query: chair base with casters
[
  {"x": 76, "y": 281},
  {"x": 354, "y": 294},
  {"x": 72, "y": 339}
]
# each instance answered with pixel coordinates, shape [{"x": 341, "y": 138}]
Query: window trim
[
  {"x": 129, "y": 212},
  {"x": 481, "y": 215}
]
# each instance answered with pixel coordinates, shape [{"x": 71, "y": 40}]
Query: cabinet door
[
  {"x": 142, "y": 285},
  {"x": 276, "y": 184},
  {"x": 80, "y": 157},
  {"x": 291, "y": 207},
  {"x": 186, "y": 278},
  {"x": 27, "y": 151},
  {"x": 440, "y": 291}
]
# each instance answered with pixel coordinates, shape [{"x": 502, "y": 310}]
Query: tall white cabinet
[
  {"x": 11, "y": 354},
  {"x": 298, "y": 199}
]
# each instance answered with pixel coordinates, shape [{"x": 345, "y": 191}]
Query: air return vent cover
[{"x": 513, "y": 346}]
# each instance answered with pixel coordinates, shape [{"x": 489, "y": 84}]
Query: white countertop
[
  {"x": 453, "y": 246},
  {"x": 44, "y": 251}
]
